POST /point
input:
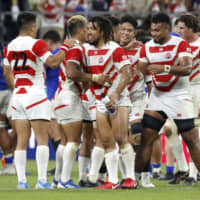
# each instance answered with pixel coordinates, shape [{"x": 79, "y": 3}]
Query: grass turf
[{"x": 162, "y": 191}]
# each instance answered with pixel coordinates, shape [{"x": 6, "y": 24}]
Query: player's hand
[
  {"x": 156, "y": 69},
  {"x": 113, "y": 100},
  {"x": 70, "y": 42},
  {"x": 133, "y": 44},
  {"x": 103, "y": 79}
]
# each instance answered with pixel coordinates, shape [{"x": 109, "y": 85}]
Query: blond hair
[{"x": 77, "y": 21}]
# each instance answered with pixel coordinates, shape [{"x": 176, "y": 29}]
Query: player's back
[{"x": 26, "y": 55}]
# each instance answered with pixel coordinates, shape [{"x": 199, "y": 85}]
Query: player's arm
[
  {"x": 8, "y": 75},
  {"x": 184, "y": 67},
  {"x": 75, "y": 74}
]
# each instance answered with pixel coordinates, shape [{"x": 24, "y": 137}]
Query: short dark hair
[
  {"x": 161, "y": 18},
  {"x": 52, "y": 35},
  {"x": 104, "y": 25},
  {"x": 130, "y": 19},
  {"x": 24, "y": 19},
  {"x": 190, "y": 21},
  {"x": 114, "y": 20}
]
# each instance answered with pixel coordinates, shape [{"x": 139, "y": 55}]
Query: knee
[
  {"x": 167, "y": 130},
  {"x": 121, "y": 139}
]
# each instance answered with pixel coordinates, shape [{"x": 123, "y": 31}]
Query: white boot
[{"x": 145, "y": 179}]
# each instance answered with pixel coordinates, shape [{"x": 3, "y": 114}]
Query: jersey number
[{"x": 17, "y": 56}]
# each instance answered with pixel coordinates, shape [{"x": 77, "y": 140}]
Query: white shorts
[
  {"x": 89, "y": 110},
  {"x": 195, "y": 98},
  {"x": 138, "y": 101},
  {"x": 124, "y": 101},
  {"x": 67, "y": 107},
  {"x": 31, "y": 106},
  {"x": 179, "y": 106},
  {"x": 4, "y": 101}
]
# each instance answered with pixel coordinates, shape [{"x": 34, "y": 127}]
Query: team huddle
[{"x": 101, "y": 98}]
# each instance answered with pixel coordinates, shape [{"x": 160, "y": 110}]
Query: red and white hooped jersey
[
  {"x": 166, "y": 54},
  {"x": 195, "y": 74},
  {"x": 26, "y": 56},
  {"x": 76, "y": 55},
  {"x": 108, "y": 59}
]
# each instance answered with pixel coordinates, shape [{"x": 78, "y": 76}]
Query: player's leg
[
  {"x": 59, "y": 157},
  {"x": 85, "y": 152},
  {"x": 55, "y": 136},
  {"x": 72, "y": 131},
  {"x": 120, "y": 122},
  {"x": 191, "y": 138},
  {"x": 111, "y": 154},
  {"x": 156, "y": 157},
  {"x": 152, "y": 123},
  {"x": 97, "y": 158},
  {"x": 170, "y": 163},
  {"x": 23, "y": 129},
  {"x": 40, "y": 128}
]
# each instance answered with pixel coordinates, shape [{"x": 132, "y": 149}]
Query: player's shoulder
[{"x": 112, "y": 44}]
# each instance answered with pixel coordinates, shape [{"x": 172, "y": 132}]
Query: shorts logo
[
  {"x": 179, "y": 115},
  {"x": 137, "y": 114}
]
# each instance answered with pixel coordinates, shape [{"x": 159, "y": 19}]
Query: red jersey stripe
[
  {"x": 61, "y": 106},
  {"x": 100, "y": 52},
  {"x": 37, "y": 103},
  {"x": 161, "y": 49},
  {"x": 23, "y": 82}
]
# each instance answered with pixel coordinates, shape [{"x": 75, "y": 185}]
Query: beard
[{"x": 94, "y": 42}]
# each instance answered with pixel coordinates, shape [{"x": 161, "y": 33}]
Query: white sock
[
  {"x": 20, "y": 164},
  {"x": 193, "y": 171},
  {"x": 59, "y": 161},
  {"x": 176, "y": 147},
  {"x": 128, "y": 157},
  {"x": 97, "y": 157},
  {"x": 122, "y": 167},
  {"x": 112, "y": 159},
  {"x": 177, "y": 150},
  {"x": 69, "y": 157},
  {"x": 83, "y": 165},
  {"x": 42, "y": 158}
]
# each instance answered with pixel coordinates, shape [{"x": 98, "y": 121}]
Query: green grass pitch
[{"x": 162, "y": 191}]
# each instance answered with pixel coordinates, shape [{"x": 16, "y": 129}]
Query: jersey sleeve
[
  {"x": 143, "y": 57},
  {"x": 184, "y": 49},
  {"x": 74, "y": 55},
  {"x": 120, "y": 58},
  {"x": 5, "y": 58},
  {"x": 41, "y": 49}
]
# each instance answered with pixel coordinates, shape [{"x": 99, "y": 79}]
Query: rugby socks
[
  {"x": 97, "y": 158},
  {"x": 156, "y": 167},
  {"x": 193, "y": 171},
  {"x": 83, "y": 166},
  {"x": 112, "y": 159},
  {"x": 69, "y": 156},
  {"x": 122, "y": 167},
  {"x": 8, "y": 158},
  {"x": 59, "y": 161},
  {"x": 177, "y": 150},
  {"x": 42, "y": 158},
  {"x": 128, "y": 158},
  {"x": 169, "y": 169},
  {"x": 20, "y": 163}
]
